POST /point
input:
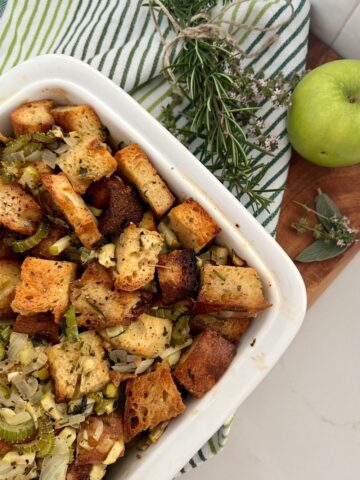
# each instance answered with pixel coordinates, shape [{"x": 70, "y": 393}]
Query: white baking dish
[{"x": 70, "y": 81}]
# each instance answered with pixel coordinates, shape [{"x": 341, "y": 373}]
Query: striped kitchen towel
[{"x": 118, "y": 38}]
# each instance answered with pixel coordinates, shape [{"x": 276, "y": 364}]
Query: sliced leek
[
  {"x": 181, "y": 330},
  {"x": 21, "y": 246},
  {"x": 60, "y": 245},
  {"x": 69, "y": 325},
  {"x": 44, "y": 443},
  {"x": 16, "y": 433}
]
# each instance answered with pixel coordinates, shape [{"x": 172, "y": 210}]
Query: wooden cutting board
[{"x": 341, "y": 184}]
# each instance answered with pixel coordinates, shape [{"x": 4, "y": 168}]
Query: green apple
[{"x": 324, "y": 116}]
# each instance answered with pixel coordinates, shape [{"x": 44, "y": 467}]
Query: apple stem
[{"x": 319, "y": 191}]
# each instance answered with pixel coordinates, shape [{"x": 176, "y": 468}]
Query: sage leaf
[
  {"x": 326, "y": 207},
  {"x": 319, "y": 250}
]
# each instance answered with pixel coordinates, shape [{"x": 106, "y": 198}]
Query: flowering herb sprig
[
  {"x": 333, "y": 234},
  {"x": 222, "y": 99}
]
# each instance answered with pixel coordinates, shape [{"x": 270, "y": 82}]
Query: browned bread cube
[
  {"x": 125, "y": 207},
  {"x": 74, "y": 209},
  {"x": 134, "y": 165},
  {"x": 86, "y": 162},
  {"x": 79, "y": 118},
  {"x": 78, "y": 368},
  {"x": 204, "y": 363},
  {"x": 90, "y": 449},
  {"x": 137, "y": 252},
  {"x": 18, "y": 210},
  {"x": 44, "y": 287},
  {"x": 151, "y": 399},
  {"x": 178, "y": 275},
  {"x": 9, "y": 278},
  {"x": 148, "y": 221},
  {"x": 224, "y": 287},
  {"x": 38, "y": 326},
  {"x": 231, "y": 328},
  {"x": 147, "y": 336},
  {"x": 32, "y": 117},
  {"x": 96, "y": 303},
  {"x": 192, "y": 225}
]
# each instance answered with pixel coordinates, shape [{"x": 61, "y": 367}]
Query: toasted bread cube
[
  {"x": 9, "y": 278},
  {"x": 151, "y": 398},
  {"x": 178, "y": 275},
  {"x": 134, "y": 165},
  {"x": 147, "y": 336},
  {"x": 39, "y": 326},
  {"x": 32, "y": 117},
  {"x": 78, "y": 368},
  {"x": 63, "y": 361},
  {"x": 125, "y": 207},
  {"x": 204, "y": 363},
  {"x": 90, "y": 448},
  {"x": 79, "y": 118},
  {"x": 148, "y": 221},
  {"x": 18, "y": 210},
  {"x": 95, "y": 301},
  {"x": 87, "y": 162},
  {"x": 192, "y": 225},
  {"x": 137, "y": 252},
  {"x": 231, "y": 328},
  {"x": 44, "y": 287},
  {"x": 225, "y": 287},
  {"x": 74, "y": 209}
]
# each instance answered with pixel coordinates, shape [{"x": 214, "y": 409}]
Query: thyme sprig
[{"x": 219, "y": 101}]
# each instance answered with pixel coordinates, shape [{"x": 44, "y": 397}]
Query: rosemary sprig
[{"x": 222, "y": 102}]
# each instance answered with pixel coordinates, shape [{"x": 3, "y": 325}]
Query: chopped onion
[
  {"x": 16, "y": 344},
  {"x": 14, "y": 465},
  {"x": 36, "y": 364},
  {"x": 173, "y": 358},
  {"x": 54, "y": 466},
  {"x": 62, "y": 148},
  {"x": 118, "y": 356},
  {"x": 5, "y": 366},
  {"x": 13, "y": 418},
  {"x": 49, "y": 158},
  {"x": 34, "y": 156},
  {"x": 70, "y": 421},
  {"x": 112, "y": 332},
  {"x": 144, "y": 365},
  {"x": 124, "y": 367},
  {"x": 14, "y": 157},
  {"x": 27, "y": 387},
  {"x": 98, "y": 430},
  {"x": 169, "y": 351},
  {"x": 107, "y": 256}
]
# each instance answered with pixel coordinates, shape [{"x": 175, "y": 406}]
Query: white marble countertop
[{"x": 303, "y": 421}]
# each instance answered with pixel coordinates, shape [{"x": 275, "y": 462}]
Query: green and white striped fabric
[{"x": 118, "y": 38}]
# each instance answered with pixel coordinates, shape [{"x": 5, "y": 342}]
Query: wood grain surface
[{"x": 341, "y": 184}]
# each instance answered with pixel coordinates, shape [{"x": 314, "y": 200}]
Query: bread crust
[
  {"x": 32, "y": 117},
  {"x": 44, "y": 287},
  {"x": 192, "y": 225},
  {"x": 135, "y": 166},
  {"x": 204, "y": 363}
]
